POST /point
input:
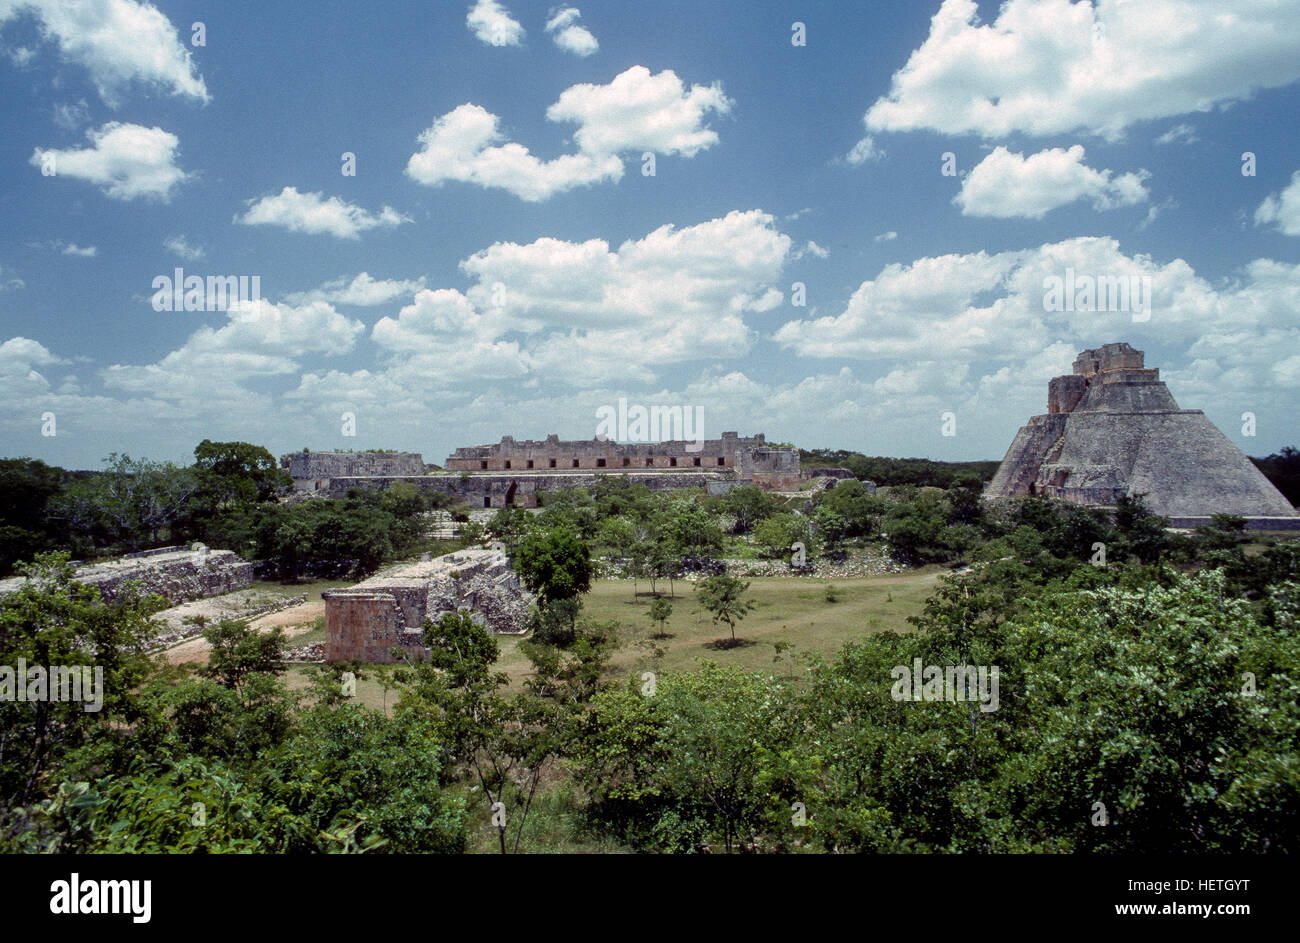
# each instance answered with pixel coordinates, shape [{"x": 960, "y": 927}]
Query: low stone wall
[
  {"x": 1252, "y": 523},
  {"x": 308, "y": 465},
  {"x": 521, "y": 490},
  {"x": 178, "y": 576}
]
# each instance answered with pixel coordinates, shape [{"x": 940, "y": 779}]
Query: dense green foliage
[
  {"x": 1283, "y": 469},
  {"x": 899, "y": 471},
  {"x": 229, "y": 499}
]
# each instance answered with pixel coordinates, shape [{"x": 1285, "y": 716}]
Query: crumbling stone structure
[
  {"x": 310, "y": 469},
  {"x": 179, "y": 574},
  {"x": 368, "y": 621},
  {"x": 1113, "y": 429}
]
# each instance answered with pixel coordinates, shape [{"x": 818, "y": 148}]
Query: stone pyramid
[{"x": 1112, "y": 428}]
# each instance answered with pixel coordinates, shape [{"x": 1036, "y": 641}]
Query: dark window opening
[
  {"x": 672, "y": 462},
  {"x": 575, "y": 463},
  {"x": 487, "y": 501},
  {"x": 627, "y": 462},
  {"x": 696, "y": 462},
  {"x": 507, "y": 463},
  {"x": 530, "y": 463},
  {"x": 600, "y": 463},
  {"x": 649, "y": 463},
  {"x": 482, "y": 466},
  {"x": 552, "y": 463},
  {"x": 721, "y": 460}
]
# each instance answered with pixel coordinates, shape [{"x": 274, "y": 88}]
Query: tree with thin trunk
[
  {"x": 660, "y": 610},
  {"x": 721, "y": 596}
]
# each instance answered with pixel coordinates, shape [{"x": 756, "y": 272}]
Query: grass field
[{"x": 789, "y": 609}]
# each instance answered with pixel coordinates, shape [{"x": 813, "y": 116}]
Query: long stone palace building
[{"x": 514, "y": 472}]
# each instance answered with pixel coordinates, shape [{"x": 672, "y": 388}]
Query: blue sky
[{"x": 501, "y": 262}]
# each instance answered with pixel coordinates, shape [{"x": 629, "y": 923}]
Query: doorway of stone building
[{"x": 510, "y": 493}]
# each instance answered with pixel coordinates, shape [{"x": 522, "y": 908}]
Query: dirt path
[{"x": 295, "y": 621}]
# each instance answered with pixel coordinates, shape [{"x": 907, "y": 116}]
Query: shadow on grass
[
  {"x": 723, "y": 644},
  {"x": 641, "y": 597}
]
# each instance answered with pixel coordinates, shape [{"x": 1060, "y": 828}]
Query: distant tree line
[
  {"x": 1283, "y": 469},
  {"x": 899, "y": 471},
  {"x": 229, "y": 498}
]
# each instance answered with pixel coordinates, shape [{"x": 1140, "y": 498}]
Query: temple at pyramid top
[{"x": 1112, "y": 428}]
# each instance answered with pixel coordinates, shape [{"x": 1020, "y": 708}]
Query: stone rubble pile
[{"x": 308, "y": 654}]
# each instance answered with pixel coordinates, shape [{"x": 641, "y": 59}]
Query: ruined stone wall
[
  {"x": 522, "y": 490},
  {"x": 319, "y": 465},
  {"x": 178, "y": 574},
  {"x": 361, "y": 625},
  {"x": 1064, "y": 393},
  {"x": 1108, "y": 357},
  {"x": 367, "y": 621}
]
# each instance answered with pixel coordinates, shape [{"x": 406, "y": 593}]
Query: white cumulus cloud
[
  {"x": 636, "y": 112},
  {"x": 362, "y": 290},
  {"x": 315, "y": 214},
  {"x": 1055, "y": 66},
  {"x": 864, "y": 151},
  {"x": 493, "y": 24},
  {"x": 180, "y": 246},
  {"x": 1004, "y": 184},
  {"x": 584, "y": 313},
  {"x": 1282, "y": 209},
  {"x": 119, "y": 42},
  {"x": 259, "y": 339},
  {"x": 568, "y": 35},
  {"x": 125, "y": 160}
]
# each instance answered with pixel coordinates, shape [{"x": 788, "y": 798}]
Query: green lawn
[
  {"x": 275, "y": 590},
  {"x": 788, "y": 609}
]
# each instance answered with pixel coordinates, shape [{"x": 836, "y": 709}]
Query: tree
[
  {"x": 555, "y": 622},
  {"x": 131, "y": 502},
  {"x": 748, "y": 504},
  {"x": 52, "y": 621},
  {"x": 777, "y": 535},
  {"x": 687, "y": 527},
  {"x": 1143, "y": 532},
  {"x": 721, "y": 596},
  {"x": 1283, "y": 470},
  {"x": 26, "y": 527},
  {"x": 554, "y": 564},
  {"x": 509, "y": 525},
  {"x": 240, "y": 471},
  {"x": 660, "y": 611},
  {"x": 238, "y": 651},
  {"x": 830, "y": 525},
  {"x": 714, "y": 755},
  {"x": 618, "y": 534},
  {"x": 504, "y": 741}
]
